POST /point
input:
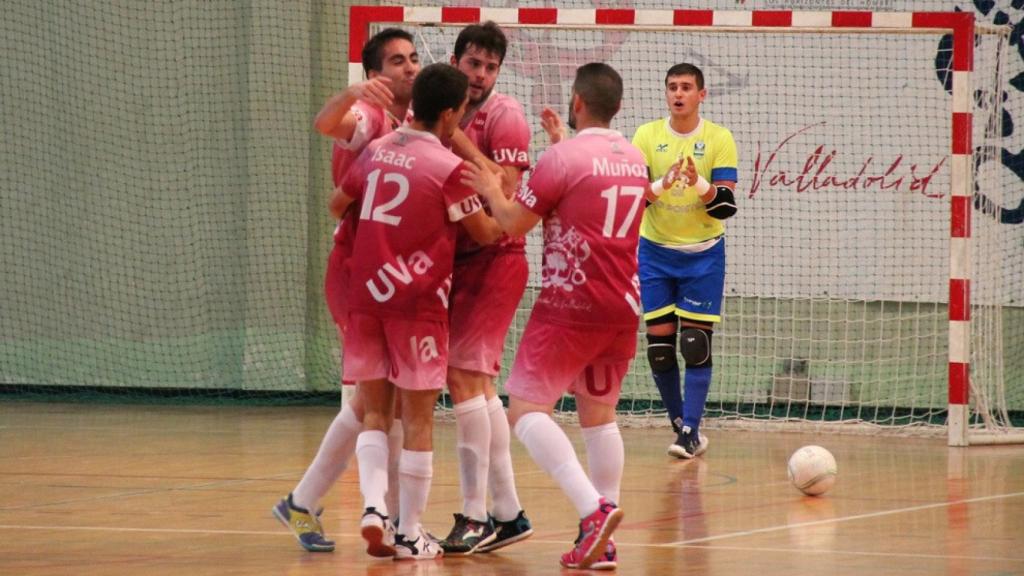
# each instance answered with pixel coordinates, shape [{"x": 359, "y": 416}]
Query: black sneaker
[
  {"x": 467, "y": 536},
  {"x": 510, "y": 532},
  {"x": 688, "y": 444}
]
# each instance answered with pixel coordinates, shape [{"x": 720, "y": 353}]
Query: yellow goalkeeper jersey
[{"x": 678, "y": 216}]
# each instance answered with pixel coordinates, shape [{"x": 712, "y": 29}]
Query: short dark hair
[
  {"x": 437, "y": 88},
  {"x": 600, "y": 88},
  {"x": 486, "y": 36},
  {"x": 373, "y": 50},
  {"x": 686, "y": 69}
]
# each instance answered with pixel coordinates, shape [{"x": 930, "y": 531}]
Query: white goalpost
[{"x": 868, "y": 288}]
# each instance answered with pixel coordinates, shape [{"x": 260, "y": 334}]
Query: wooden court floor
[{"x": 95, "y": 489}]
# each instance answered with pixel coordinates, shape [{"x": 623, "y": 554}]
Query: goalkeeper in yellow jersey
[{"x": 682, "y": 249}]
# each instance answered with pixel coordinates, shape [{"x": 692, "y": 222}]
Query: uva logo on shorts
[{"x": 425, "y": 349}]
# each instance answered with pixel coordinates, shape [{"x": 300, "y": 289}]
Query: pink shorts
[
  {"x": 485, "y": 294},
  {"x": 336, "y": 294},
  {"x": 336, "y": 284},
  {"x": 412, "y": 354},
  {"x": 554, "y": 359}
]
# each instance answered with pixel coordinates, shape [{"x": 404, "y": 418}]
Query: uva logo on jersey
[
  {"x": 527, "y": 197},
  {"x": 511, "y": 156},
  {"x": 424, "y": 348},
  {"x": 402, "y": 271}
]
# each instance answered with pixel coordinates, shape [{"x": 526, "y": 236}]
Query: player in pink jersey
[
  {"x": 486, "y": 288},
  {"x": 355, "y": 116},
  {"x": 410, "y": 194},
  {"x": 581, "y": 335}
]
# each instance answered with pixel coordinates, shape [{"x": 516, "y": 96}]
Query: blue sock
[
  {"x": 671, "y": 395},
  {"x": 697, "y": 382}
]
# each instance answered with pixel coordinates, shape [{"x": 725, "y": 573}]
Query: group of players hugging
[{"x": 429, "y": 265}]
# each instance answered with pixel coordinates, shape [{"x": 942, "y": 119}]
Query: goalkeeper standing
[{"x": 682, "y": 250}]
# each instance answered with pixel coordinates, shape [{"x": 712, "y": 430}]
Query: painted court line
[{"x": 838, "y": 520}]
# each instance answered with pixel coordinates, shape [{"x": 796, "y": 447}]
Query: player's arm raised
[
  {"x": 335, "y": 118},
  {"x": 464, "y": 147},
  {"x": 552, "y": 123},
  {"x": 512, "y": 216}
]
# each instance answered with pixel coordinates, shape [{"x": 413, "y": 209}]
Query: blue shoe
[
  {"x": 305, "y": 526},
  {"x": 510, "y": 532}
]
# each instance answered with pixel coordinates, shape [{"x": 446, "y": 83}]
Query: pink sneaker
[
  {"x": 595, "y": 532},
  {"x": 609, "y": 560}
]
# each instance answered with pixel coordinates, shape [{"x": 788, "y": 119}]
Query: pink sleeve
[
  {"x": 459, "y": 199},
  {"x": 510, "y": 138},
  {"x": 369, "y": 120},
  {"x": 542, "y": 192}
]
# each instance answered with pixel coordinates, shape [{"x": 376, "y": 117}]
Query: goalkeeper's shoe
[
  {"x": 688, "y": 444},
  {"x": 305, "y": 526}
]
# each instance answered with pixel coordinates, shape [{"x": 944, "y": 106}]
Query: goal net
[{"x": 859, "y": 166}]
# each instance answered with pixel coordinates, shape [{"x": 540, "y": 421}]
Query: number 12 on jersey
[{"x": 611, "y": 196}]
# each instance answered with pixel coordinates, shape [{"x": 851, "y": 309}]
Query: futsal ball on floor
[{"x": 812, "y": 469}]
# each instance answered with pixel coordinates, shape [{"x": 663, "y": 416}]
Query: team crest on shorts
[{"x": 698, "y": 149}]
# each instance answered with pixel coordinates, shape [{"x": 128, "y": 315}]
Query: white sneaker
[
  {"x": 420, "y": 548},
  {"x": 379, "y": 533}
]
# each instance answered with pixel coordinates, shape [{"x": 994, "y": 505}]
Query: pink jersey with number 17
[
  {"x": 590, "y": 192},
  {"x": 410, "y": 199}
]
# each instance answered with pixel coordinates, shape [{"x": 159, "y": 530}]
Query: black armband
[{"x": 723, "y": 205}]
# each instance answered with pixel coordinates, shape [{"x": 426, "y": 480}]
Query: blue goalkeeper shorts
[{"x": 689, "y": 285}]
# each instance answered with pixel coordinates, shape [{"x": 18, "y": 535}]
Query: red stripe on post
[
  {"x": 851, "y": 19},
  {"x": 960, "y": 217},
  {"x": 538, "y": 15},
  {"x": 613, "y": 16},
  {"x": 959, "y": 379},
  {"x": 693, "y": 17},
  {"x": 962, "y": 133},
  {"x": 457, "y": 15},
  {"x": 959, "y": 299},
  {"x": 772, "y": 18},
  {"x": 360, "y": 17},
  {"x": 962, "y": 25}
]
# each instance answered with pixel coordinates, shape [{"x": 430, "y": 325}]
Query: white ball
[{"x": 812, "y": 469}]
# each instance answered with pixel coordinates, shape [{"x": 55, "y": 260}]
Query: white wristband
[
  {"x": 702, "y": 186},
  {"x": 657, "y": 188}
]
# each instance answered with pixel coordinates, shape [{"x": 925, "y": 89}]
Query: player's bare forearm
[
  {"x": 483, "y": 229},
  {"x": 510, "y": 180},
  {"x": 334, "y": 119},
  {"x": 505, "y": 211},
  {"x": 330, "y": 120},
  {"x": 465, "y": 149}
]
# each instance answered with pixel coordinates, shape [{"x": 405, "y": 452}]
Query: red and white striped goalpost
[{"x": 959, "y": 24}]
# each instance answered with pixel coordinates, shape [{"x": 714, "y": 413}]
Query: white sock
[
  {"x": 500, "y": 479},
  {"x": 551, "y": 450},
  {"x": 372, "y": 454},
  {"x": 606, "y": 458},
  {"x": 331, "y": 459},
  {"x": 395, "y": 437},
  {"x": 473, "y": 439},
  {"x": 415, "y": 471}
]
